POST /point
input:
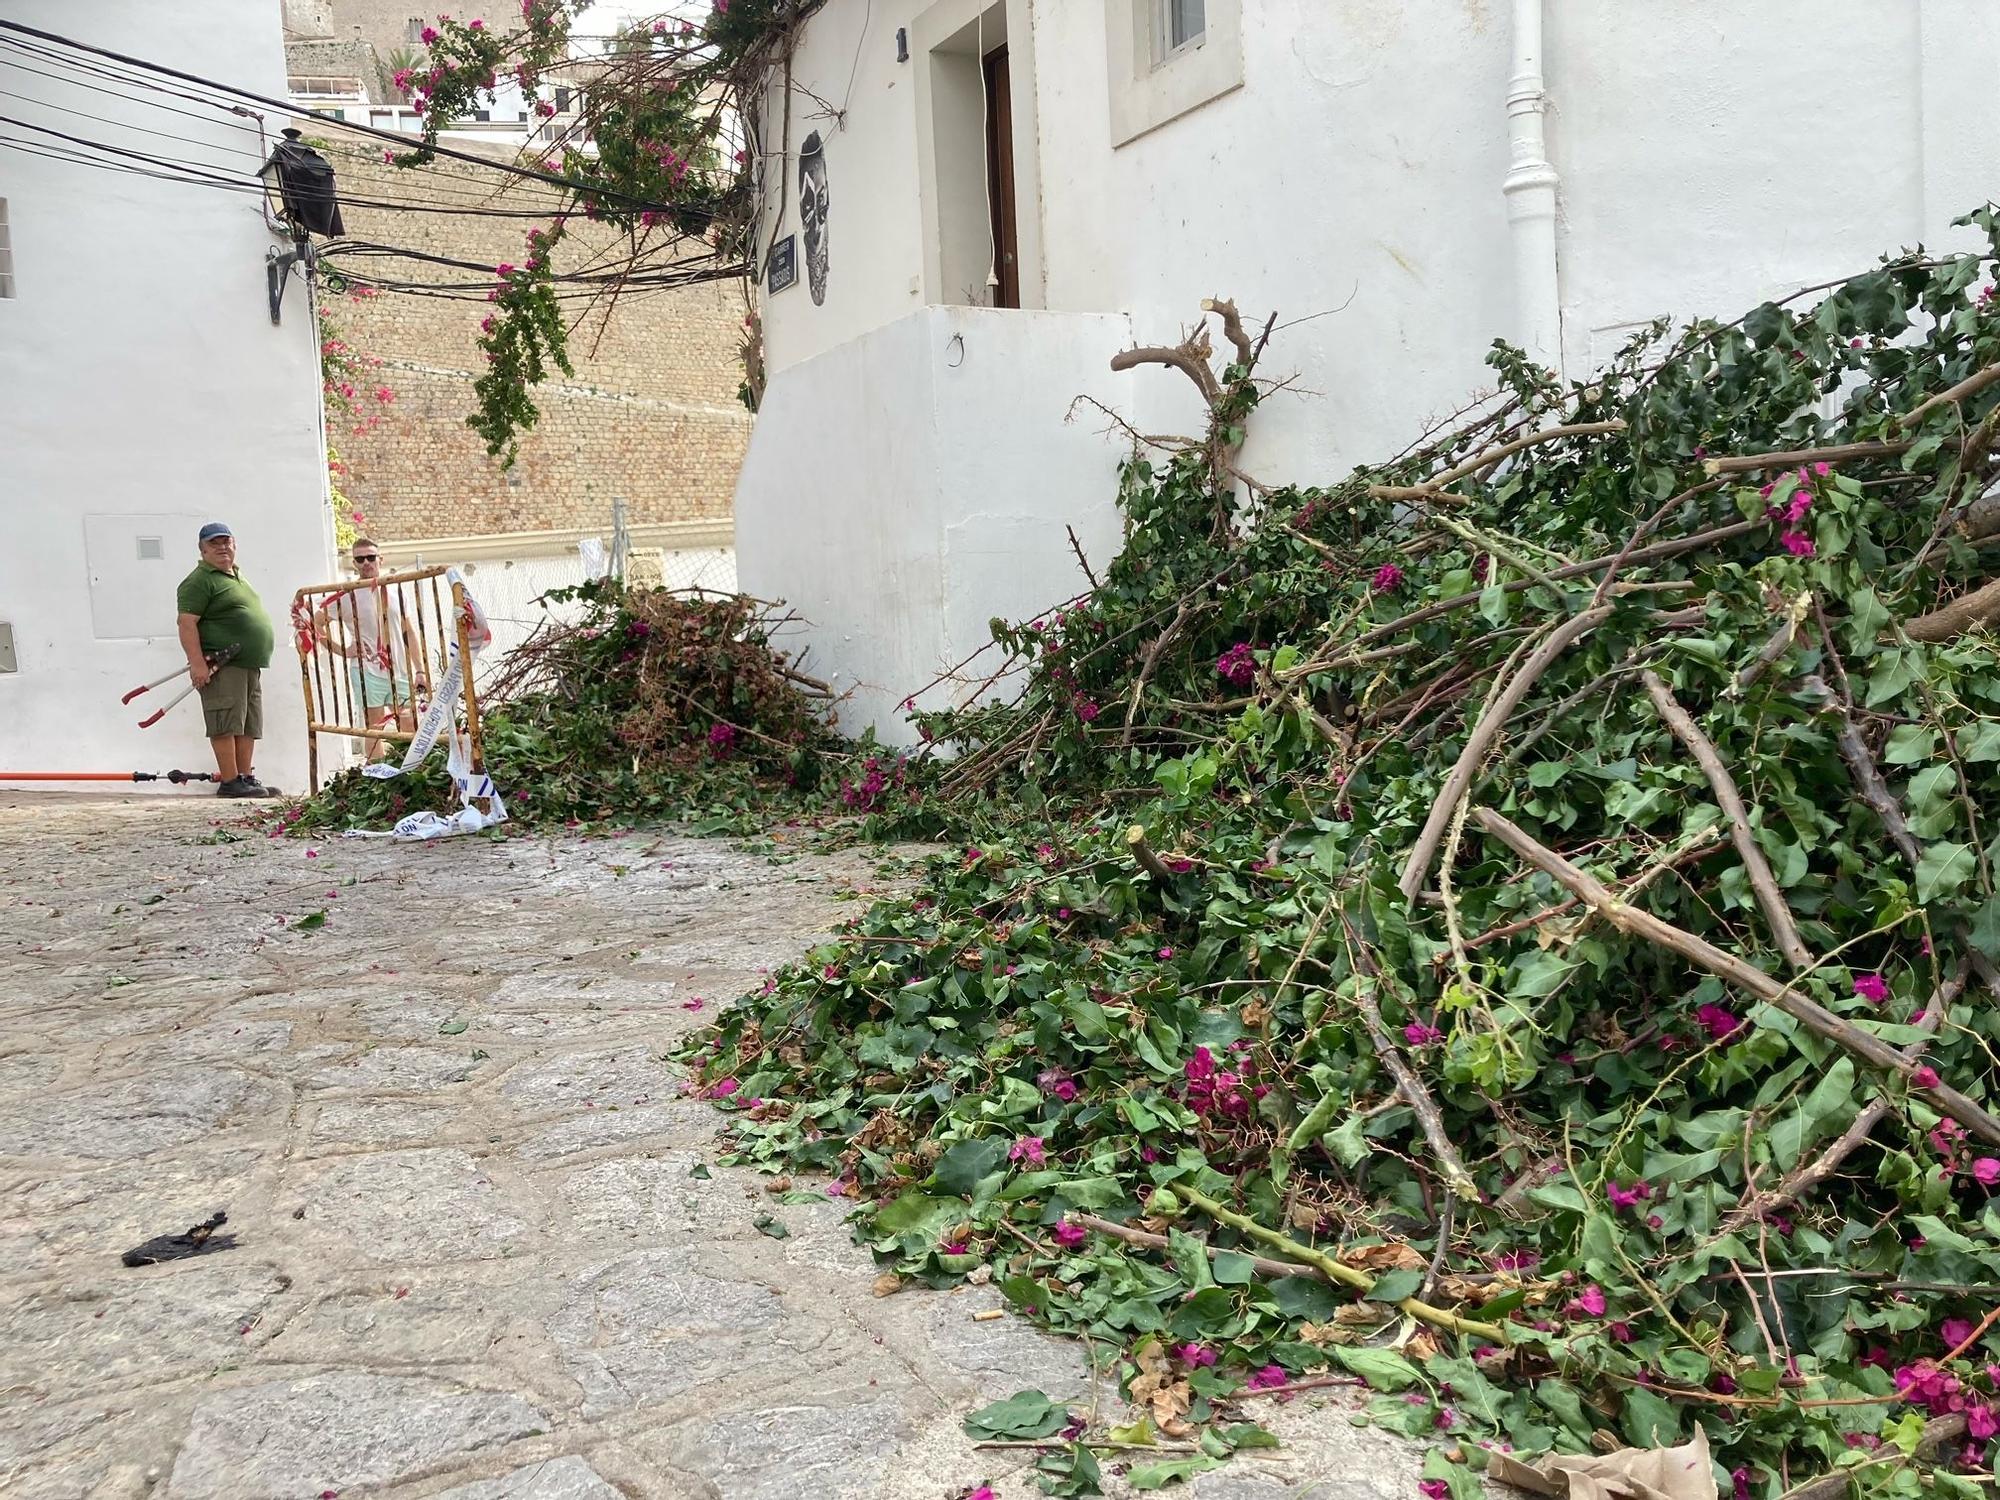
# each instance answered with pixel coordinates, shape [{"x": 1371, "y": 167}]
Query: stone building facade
[{"x": 650, "y": 417}]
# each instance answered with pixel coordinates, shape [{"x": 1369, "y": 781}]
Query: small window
[
  {"x": 1178, "y": 25},
  {"x": 150, "y": 549},
  {"x": 6, "y": 254},
  {"x": 562, "y": 100}
]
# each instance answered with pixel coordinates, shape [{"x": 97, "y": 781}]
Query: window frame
[
  {"x": 1165, "y": 48},
  {"x": 1149, "y": 88},
  {"x": 7, "y": 292}
]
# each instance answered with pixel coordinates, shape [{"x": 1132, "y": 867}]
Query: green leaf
[
  {"x": 1025, "y": 1414},
  {"x": 1346, "y": 1142},
  {"x": 1942, "y": 869},
  {"x": 1233, "y": 1268},
  {"x": 1383, "y": 1369},
  {"x": 1304, "y": 1300},
  {"x": 766, "y": 1225},
  {"x": 1394, "y": 1286},
  {"x": 1910, "y": 745},
  {"x": 1649, "y": 1420},
  {"x": 311, "y": 922},
  {"x": 451, "y": 1028},
  {"x": 967, "y": 1163},
  {"x": 1157, "y": 1476}
]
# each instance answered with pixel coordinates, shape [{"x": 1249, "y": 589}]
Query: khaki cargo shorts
[{"x": 233, "y": 703}]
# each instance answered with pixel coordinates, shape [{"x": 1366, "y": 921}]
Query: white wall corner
[{"x": 1146, "y": 94}]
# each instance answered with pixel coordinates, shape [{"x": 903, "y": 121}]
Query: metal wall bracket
[{"x": 278, "y": 268}]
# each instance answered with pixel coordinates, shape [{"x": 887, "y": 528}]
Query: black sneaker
[
  {"x": 258, "y": 789},
  {"x": 236, "y": 786}
]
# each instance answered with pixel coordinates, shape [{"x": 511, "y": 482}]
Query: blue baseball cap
[{"x": 215, "y": 529}]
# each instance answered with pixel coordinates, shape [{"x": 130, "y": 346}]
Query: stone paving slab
[{"x": 476, "y": 1260}]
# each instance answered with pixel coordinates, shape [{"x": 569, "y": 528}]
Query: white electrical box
[{"x": 136, "y": 562}]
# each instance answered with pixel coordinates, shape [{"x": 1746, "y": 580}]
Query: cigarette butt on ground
[{"x": 989, "y": 1315}]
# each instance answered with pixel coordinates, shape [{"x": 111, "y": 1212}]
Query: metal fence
[{"x": 377, "y": 659}]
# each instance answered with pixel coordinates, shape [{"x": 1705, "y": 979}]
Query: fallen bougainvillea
[{"x": 1517, "y": 926}]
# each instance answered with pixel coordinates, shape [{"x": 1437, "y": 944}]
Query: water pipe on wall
[{"x": 1530, "y": 188}]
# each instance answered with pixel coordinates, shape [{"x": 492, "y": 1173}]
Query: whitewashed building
[
  {"x": 986, "y": 199},
  {"x": 143, "y": 388}
]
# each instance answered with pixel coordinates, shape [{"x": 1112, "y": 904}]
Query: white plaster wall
[
  {"x": 1710, "y": 156},
  {"x": 140, "y": 375},
  {"x": 902, "y": 489}
]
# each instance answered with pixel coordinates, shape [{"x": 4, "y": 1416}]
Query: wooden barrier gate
[{"x": 372, "y": 650}]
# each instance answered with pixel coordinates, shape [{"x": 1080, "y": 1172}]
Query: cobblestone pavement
[{"x": 478, "y": 1254}]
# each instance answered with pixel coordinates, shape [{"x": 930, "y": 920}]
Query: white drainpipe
[{"x": 1531, "y": 195}]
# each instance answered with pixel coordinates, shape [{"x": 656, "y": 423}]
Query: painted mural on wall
[{"x": 813, "y": 201}]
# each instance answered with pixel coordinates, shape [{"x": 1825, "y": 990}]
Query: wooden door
[{"x": 1000, "y": 179}]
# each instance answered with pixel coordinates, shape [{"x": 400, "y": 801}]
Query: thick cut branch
[
  {"x": 1783, "y": 928},
  {"x": 1142, "y": 854},
  {"x": 1264, "y": 1266},
  {"x": 1967, "y": 612},
  {"x": 1335, "y": 1271},
  {"x": 1804, "y": 1179},
  {"x": 1813, "y": 1016},
  {"x": 1693, "y": 542},
  {"x": 1972, "y": 385},
  {"x": 1232, "y": 328},
  {"x": 1146, "y": 669},
  {"x": 1459, "y": 782},
  {"x": 1180, "y": 359},
  {"x": 1754, "y": 463},
  {"x": 1417, "y": 1097},
  {"x": 1493, "y": 456}
]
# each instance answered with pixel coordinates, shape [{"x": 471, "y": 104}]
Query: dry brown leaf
[
  {"x": 1324, "y": 1334},
  {"x": 1423, "y": 1346},
  {"x": 778, "y": 1185},
  {"x": 887, "y": 1284},
  {"x": 1396, "y": 1257}
]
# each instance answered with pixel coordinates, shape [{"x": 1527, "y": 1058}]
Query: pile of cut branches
[
  {"x": 1518, "y": 925},
  {"x": 633, "y": 703}
]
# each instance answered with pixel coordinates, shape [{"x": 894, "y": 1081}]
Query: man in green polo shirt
[{"x": 220, "y": 612}]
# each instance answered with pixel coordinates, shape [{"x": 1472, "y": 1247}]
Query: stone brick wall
[{"x": 651, "y": 416}]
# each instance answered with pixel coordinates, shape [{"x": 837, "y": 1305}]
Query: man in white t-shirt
[{"x": 373, "y": 632}]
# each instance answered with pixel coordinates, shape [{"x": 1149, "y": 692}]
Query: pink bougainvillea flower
[
  {"x": 1986, "y": 1170},
  {"x": 1070, "y": 1236},
  {"x": 1924, "y": 1077},
  {"x": 1620, "y": 1197},
  {"x": 1027, "y": 1149},
  {"x": 1269, "y": 1378},
  {"x": 954, "y": 1247},
  {"x": 1056, "y": 1084},
  {"x": 1417, "y": 1034},
  {"x": 1165, "y": 954},
  {"x": 1720, "y": 1024},
  {"x": 836, "y": 1189},
  {"x": 985, "y": 1491},
  {"x": 1871, "y": 987},
  {"x": 1589, "y": 1302},
  {"x": 1433, "y": 1489},
  {"x": 724, "y": 1089},
  {"x": 1797, "y": 543},
  {"x": 1196, "y": 1356},
  {"x": 1980, "y": 1421},
  {"x": 427, "y": 35},
  {"x": 1388, "y": 578},
  {"x": 1739, "y": 1479}
]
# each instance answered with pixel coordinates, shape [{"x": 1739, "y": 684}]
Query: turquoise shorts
[{"x": 373, "y": 689}]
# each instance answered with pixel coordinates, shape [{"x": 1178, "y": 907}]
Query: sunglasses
[{"x": 367, "y": 557}]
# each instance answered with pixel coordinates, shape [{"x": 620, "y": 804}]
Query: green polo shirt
[{"x": 230, "y": 612}]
